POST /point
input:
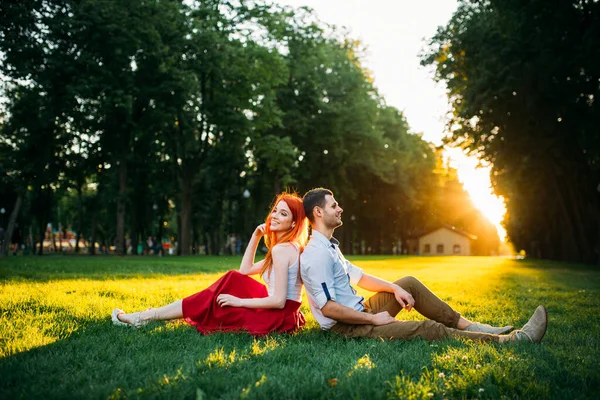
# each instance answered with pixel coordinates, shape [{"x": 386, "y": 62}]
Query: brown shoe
[
  {"x": 485, "y": 328},
  {"x": 534, "y": 330}
]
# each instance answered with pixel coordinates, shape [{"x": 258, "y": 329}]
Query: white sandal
[
  {"x": 115, "y": 318},
  {"x": 137, "y": 321}
]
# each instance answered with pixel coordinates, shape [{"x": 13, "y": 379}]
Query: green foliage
[
  {"x": 58, "y": 340},
  {"x": 133, "y": 119},
  {"x": 523, "y": 82}
]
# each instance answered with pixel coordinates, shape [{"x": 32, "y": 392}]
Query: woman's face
[{"x": 281, "y": 218}]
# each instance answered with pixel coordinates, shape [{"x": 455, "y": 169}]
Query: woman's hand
[
  {"x": 227, "y": 300},
  {"x": 260, "y": 230}
]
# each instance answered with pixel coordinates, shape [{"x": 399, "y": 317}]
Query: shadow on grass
[
  {"x": 174, "y": 361},
  {"x": 570, "y": 350}
]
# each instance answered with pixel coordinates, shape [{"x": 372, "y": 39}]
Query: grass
[{"x": 57, "y": 341}]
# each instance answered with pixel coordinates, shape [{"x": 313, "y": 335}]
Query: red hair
[{"x": 298, "y": 234}]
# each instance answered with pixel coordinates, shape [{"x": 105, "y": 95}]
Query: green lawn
[{"x": 57, "y": 341}]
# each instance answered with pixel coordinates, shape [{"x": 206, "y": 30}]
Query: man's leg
[
  {"x": 533, "y": 331},
  {"x": 428, "y": 330},
  {"x": 426, "y": 303}
]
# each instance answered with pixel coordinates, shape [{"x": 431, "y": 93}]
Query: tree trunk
[
  {"x": 79, "y": 216},
  {"x": 11, "y": 226},
  {"x": 92, "y": 251},
  {"x": 569, "y": 246},
  {"x": 587, "y": 253},
  {"x": 160, "y": 230},
  {"x": 194, "y": 240},
  {"x": 215, "y": 243},
  {"x": 178, "y": 249},
  {"x": 120, "y": 241},
  {"x": 598, "y": 242},
  {"x": 31, "y": 240},
  {"x": 135, "y": 228},
  {"x": 277, "y": 184},
  {"x": 44, "y": 216},
  {"x": 42, "y": 234},
  {"x": 186, "y": 211},
  {"x": 134, "y": 241},
  {"x": 77, "y": 239},
  {"x": 206, "y": 244},
  {"x": 217, "y": 229}
]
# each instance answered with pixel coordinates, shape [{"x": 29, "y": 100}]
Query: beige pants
[{"x": 443, "y": 318}]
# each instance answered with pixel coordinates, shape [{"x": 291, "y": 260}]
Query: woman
[{"x": 237, "y": 302}]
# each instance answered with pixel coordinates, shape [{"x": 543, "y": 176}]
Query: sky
[{"x": 395, "y": 32}]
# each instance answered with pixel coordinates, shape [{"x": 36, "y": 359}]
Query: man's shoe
[
  {"x": 534, "y": 330},
  {"x": 485, "y": 328}
]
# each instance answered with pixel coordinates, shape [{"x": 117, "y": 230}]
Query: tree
[
  {"x": 131, "y": 116},
  {"x": 523, "y": 88}
]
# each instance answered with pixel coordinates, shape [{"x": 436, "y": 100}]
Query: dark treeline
[
  {"x": 126, "y": 119},
  {"x": 524, "y": 82}
]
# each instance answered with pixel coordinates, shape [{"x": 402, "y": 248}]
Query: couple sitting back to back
[{"x": 236, "y": 302}]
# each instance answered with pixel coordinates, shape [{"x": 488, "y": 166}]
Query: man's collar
[{"x": 321, "y": 238}]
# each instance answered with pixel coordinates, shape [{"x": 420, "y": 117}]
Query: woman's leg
[{"x": 166, "y": 313}]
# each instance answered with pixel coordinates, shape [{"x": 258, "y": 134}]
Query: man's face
[{"x": 332, "y": 212}]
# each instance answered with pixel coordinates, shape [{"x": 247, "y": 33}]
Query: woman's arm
[
  {"x": 248, "y": 266},
  {"x": 283, "y": 256}
]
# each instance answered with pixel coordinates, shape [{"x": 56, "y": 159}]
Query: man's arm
[
  {"x": 375, "y": 284},
  {"x": 347, "y": 315}
]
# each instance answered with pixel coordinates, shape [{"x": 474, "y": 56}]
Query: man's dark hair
[{"x": 312, "y": 198}]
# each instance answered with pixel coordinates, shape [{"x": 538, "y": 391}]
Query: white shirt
[{"x": 327, "y": 275}]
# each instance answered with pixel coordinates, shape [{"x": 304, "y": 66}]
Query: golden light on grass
[
  {"x": 363, "y": 364},
  {"x": 39, "y": 305},
  {"x": 467, "y": 283},
  {"x": 43, "y": 312}
]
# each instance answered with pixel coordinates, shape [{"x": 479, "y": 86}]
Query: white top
[
  {"x": 327, "y": 275},
  {"x": 294, "y": 289}
]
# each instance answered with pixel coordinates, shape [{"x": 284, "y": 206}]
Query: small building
[{"x": 443, "y": 241}]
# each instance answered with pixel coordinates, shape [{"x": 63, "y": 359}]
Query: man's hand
[
  {"x": 383, "y": 318},
  {"x": 404, "y": 298},
  {"x": 227, "y": 300}
]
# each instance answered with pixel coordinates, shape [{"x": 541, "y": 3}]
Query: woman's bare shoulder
[{"x": 285, "y": 251}]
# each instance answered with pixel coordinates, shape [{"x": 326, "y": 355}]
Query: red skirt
[{"x": 202, "y": 310}]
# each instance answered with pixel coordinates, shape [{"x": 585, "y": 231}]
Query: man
[{"x": 328, "y": 276}]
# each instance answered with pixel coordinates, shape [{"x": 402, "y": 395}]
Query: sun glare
[{"x": 476, "y": 181}]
